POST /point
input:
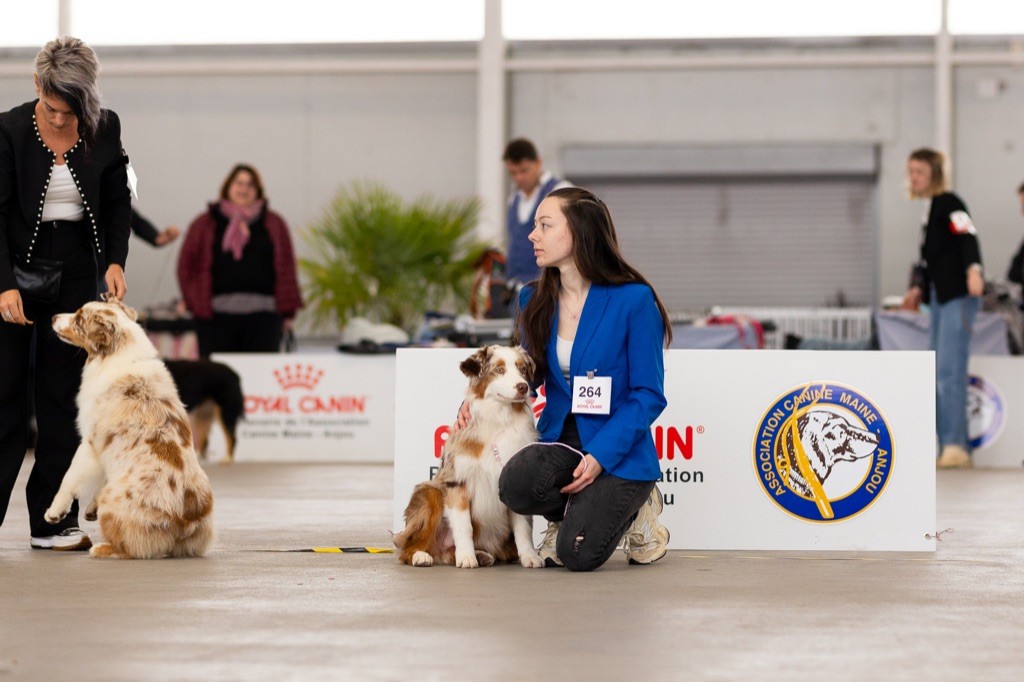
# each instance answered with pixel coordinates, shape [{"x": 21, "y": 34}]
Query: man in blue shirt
[{"x": 533, "y": 183}]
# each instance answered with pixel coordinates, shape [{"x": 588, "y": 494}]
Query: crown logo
[{"x": 298, "y": 376}]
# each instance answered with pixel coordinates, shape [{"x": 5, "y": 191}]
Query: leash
[
  {"x": 332, "y": 550},
  {"x": 494, "y": 446}
]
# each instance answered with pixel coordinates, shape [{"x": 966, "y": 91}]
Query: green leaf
[{"x": 381, "y": 258}]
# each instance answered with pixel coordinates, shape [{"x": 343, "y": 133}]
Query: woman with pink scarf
[{"x": 236, "y": 270}]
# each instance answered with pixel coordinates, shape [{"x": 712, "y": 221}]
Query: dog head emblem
[
  {"x": 499, "y": 371},
  {"x": 828, "y": 438},
  {"x": 98, "y": 328},
  {"x": 986, "y": 411},
  {"x": 823, "y": 451}
]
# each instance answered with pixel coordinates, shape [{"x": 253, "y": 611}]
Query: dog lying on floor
[
  {"x": 154, "y": 499},
  {"x": 457, "y": 518},
  {"x": 211, "y": 392}
]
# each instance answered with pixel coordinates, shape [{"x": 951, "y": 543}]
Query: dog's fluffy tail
[{"x": 422, "y": 519}]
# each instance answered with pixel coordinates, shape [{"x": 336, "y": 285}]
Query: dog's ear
[
  {"x": 527, "y": 367},
  {"x": 130, "y": 312},
  {"x": 100, "y": 332},
  {"x": 473, "y": 366}
]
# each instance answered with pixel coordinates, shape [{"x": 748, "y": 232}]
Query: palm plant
[{"x": 379, "y": 258}]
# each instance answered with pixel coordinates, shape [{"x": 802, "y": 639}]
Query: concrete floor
[{"x": 247, "y": 615}]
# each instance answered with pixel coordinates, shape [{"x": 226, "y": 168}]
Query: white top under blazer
[
  {"x": 63, "y": 201},
  {"x": 563, "y": 349}
]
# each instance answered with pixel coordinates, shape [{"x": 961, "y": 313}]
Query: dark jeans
[
  {"x": 593, "y": 521},
  {"x": 57, "y": 376},
  {"x": 252, "y": 333}
]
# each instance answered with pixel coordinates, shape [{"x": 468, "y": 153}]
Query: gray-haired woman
[{"x": 65, "y": 217}]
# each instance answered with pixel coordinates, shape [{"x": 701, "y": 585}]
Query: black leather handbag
[{"x": 39, "y": 279}]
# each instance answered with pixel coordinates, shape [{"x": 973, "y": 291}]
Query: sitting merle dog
[{"x": 211, "y": 391}]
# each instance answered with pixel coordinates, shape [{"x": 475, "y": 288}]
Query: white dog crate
[{"x": 834, "y": 324}]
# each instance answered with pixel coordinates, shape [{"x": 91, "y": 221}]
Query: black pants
[
  {"x": 593, "y": 521},
  {"x": 57, "y": 374},
  {"x": 252, "y": 333}
]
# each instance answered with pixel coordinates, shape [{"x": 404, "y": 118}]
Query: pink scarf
[{"x": 239, "y": 220}]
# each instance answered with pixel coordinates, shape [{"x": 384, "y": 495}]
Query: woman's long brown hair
[{"x": 595, "y": 250}]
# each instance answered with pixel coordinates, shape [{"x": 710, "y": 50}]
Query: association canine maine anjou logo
[
  {"x": 823, "y": 452},
  {"x": 986, "y": 412}
]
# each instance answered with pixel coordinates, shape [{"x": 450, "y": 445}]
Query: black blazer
[{"x": 98, "y": 169}]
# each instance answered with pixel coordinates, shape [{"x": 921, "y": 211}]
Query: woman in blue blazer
[{"x": 597, "y": 332}]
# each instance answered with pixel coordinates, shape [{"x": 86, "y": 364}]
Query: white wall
[
  {"x": 310, "y": 134},
  {"x": 990, "y": 159},
  {"x": 890, "y": 107}
]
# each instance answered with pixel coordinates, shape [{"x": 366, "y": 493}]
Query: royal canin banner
[
  {"x": 314, "y": 407},
  {"x": 759, "y": 449}
]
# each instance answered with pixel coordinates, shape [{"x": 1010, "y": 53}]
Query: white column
[
  {"x": 490, "y": 123},
  {"x": 64, "y": 18},
  {"x": 944, "y": 89}
]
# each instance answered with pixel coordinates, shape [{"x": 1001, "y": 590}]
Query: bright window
[
  {"x": 610, "y": 19},
  {"x": 198, "y": 22},
  {"x": 31, "y": 23},
  {"x": 27, "y": 24},
  {"x": 986, "y": 17}
]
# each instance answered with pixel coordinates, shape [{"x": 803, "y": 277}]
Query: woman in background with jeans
[{"x": 949, "y": 277}]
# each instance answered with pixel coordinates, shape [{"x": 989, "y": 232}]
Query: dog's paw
[
  {"x": 484, "y": 558},
  {"x": 466, "y": 560},
  {"x": 531, "y": 560},
  {"x": 102, "y": 551},
  {"x": 90, "y": 515},
  {"x": 422, "y": 559},
  {"x": 53, "y": 515}
]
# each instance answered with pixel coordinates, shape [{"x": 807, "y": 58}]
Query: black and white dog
[{"x": 211, "y": 391}]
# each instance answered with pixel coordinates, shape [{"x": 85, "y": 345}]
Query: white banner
[
  {"x": 858, "y": 475},
  {"x": 314, "y": 408}
]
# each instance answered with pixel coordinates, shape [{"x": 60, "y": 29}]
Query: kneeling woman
[{"x": 597, "y": 332}]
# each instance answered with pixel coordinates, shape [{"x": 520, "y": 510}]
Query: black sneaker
[{"x": 68, "y": 540}]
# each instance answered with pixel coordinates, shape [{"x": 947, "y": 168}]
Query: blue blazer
[{"x": 620, "y": 335}]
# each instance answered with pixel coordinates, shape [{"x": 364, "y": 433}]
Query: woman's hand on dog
[
  {"x": 462, "y": 418},
  {"x": 588, "y": 470},
  {"x": 115, "y": 282},
  {"x": 11, "y": 308}
]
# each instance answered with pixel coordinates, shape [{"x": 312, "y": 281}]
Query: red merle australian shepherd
[{"x": 457, "y": 518}]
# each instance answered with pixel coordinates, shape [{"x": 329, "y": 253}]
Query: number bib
[{"x": 591, "y": 394}]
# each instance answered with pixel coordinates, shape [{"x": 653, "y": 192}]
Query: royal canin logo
[{"x": 298, "y": 376}]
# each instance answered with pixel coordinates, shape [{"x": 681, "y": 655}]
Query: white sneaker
[
  {"x": 68, "y": 540},
  {"x": 954, "y": 457},
  {"x": 547, "y": 547},
  {"x": 646, "y": 540}
]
